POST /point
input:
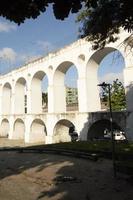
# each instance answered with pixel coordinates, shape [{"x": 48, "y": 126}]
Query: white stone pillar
[
  {"x": 0, "y": 125},
  {"x": 88, "y": 91},
  {"x": 0, "y": 99},
  {"x": 56, "y": 98},
  {"x": 50, "y": 99},
  {"x": 58, "y": 92},
  {"x": 49, "y": 139},
  {"x": 128, "y": 75},
  {"x": 50, "y": 128},
  {"x": 82, "y": 95},
  {"x": 128, "y": 84},
  {"x": 29, "y": 99},
  {"x": 88, "y": 95},
  {"x": 27, "y": 128},
  {"x": 82, "y": 124},
  {"x": 11, "y": 130},
  {"x": 59, "y": 98},
  {"x": 128, "y": 78},
  {"x": 13, "y": 101}
]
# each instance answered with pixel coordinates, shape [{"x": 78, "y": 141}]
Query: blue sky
[{"x": 34, "y": 38}]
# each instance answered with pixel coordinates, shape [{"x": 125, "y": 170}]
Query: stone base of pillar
[{"x": 49, "y": 139}]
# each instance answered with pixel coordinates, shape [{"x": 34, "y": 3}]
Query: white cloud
[
  {"x": 9, "y": 59},
  {"x": 25, "y": 58},
  {"x": 6, "y": 27},
  {"x": 45, "y": 45},
  {"x": 110, "y": 77},
  {"x": 33, "y": 57},
  {"x": 8, "y": 54}
]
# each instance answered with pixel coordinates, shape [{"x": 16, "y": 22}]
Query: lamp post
[{"x": 108, "y": 85}]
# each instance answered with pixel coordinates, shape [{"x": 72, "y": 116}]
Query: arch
[
  {"x": 38, "y": 131},
  {"x": 97, "y": 128},
  {"x": 19, "y": 129},
  {"x": 6, "y": 98},
  {"x": 7, "y": 85},
  {"x": 92, "y": 78},
  {"x": 20, "y": 93},
  {"x": 59, "y": 86},
  {"x": 50, "y": 67},
  {"x": 81, "y": 58},
  {"x": 61, "y": 131},
  {"x": 36, "y": 92},
  {"x": 4, "y": 132}
]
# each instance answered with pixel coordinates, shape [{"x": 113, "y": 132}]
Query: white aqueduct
[{"x": 52, "y": 126}]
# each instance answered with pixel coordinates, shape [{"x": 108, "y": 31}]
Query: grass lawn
[
  {"x": 95, "y": 146},
  {"x": 92, "y": 147},
  {"x": 123, "y": 151}
]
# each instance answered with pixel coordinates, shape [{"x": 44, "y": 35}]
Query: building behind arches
[{"x": 21, "y": 97}]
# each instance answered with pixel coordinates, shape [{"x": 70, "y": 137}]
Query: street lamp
[{"x": 108, "y": 85}]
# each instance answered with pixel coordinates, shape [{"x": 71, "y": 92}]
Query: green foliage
[
  {"x": 118, "y": 99},
  {"x": 101, "y": 19},
  {"x": 45, "y": 98},
  {"x": 20, "y": 10},
  {"x": 92, "y": 146}
]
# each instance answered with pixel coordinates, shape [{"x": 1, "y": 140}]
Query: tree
[
  {"x": 101, "y": 19},
  {"x": 118, "y": 99},
  {"x": 20, "y": 10},
  {"x": 45, "y": 98}
]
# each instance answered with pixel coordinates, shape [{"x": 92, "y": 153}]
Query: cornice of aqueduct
[
  {"x": 82, "y": 46},
  {"x": 26, "y": 124}
]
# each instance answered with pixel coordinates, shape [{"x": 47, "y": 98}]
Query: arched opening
[
  {"x": 96, "y": 131},
  {"x": 111, "y": 71},
  {"x": 4, "y": 132},
  {"x": 44, "y": 88},
  {"x": 38, "y": 131},
  {"x": 6, "y": 99},
  {"x": 20, "y": 96},
  {"x": 19, "y": 130},
  {"x": 92, "y": 76},
  {"x": 61, "y": 131},
  {"x": 39, "y": 95},
  {"x": 65, "y": 87}
]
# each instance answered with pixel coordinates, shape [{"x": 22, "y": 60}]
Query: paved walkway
[{"x": 34, "y": 176}]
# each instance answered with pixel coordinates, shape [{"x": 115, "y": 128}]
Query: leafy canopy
[
  {"x": 118, "y": 99},
  {"x": 20, "y": 10},
  {"x": 101, "y": 19}
]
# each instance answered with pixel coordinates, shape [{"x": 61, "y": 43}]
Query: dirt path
[
  {"x": 28, "y": 176},
  {"x": 5, "y": 142}
]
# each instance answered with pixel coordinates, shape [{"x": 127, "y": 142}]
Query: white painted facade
[{"x": 35, "y": 126}]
